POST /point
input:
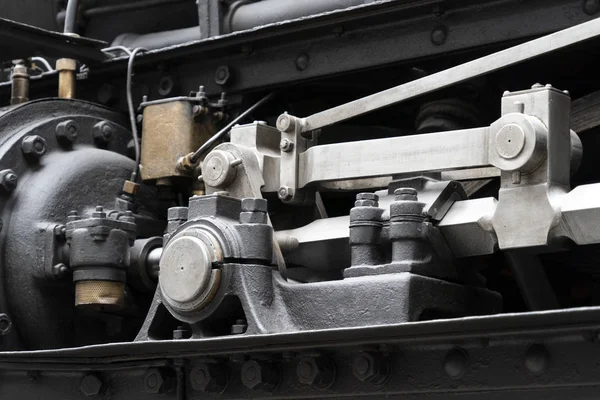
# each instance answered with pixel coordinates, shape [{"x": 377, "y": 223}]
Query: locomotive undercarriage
[{"x": 300, "y": 257}]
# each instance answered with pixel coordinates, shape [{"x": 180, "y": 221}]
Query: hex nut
[
  {"x": 222, "y": 75},
  {"x": 372, "y": 367},
  {"x": 103, "y": 132},
  {"x": 33, "y": 146},
  {"x": 154, "y": 381},
  {"x": 210, "y": 378},
  {"x": 254, "y": 204},
  {"x": 8, "y": 180},
  {"x": 260, "y": 375},
  {"x": 318, "y": 372},
  {"x": 90, "y": 385},
  {"x": 286, "y": 145},
  {"x": 253, "y": 217},
  {"x": 66, "y": 131}
]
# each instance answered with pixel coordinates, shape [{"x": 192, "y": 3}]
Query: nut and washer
[
  {"x": 8, "y": 180},
  {"x": 286, "y": 145},
  {"x": 66, "y": 131}
]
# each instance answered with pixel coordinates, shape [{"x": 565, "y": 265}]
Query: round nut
[
  {"x": 33, "y": 146},
  {"x": 285, "y": 123}
]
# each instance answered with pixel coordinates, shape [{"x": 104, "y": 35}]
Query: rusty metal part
[
  {"x": 66, "y": 77},
  {"x": 19, "y": 84},
  {"x": 130, "y": 187},
  {"x": 100, "y": 294},
  {"x": 170, "y": 134}
]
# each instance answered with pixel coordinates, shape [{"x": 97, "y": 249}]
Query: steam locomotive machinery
[{"x": 196, "y": 258}]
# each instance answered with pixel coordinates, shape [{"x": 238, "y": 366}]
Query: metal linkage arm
[
  {"x": 448, "y": 77},
  {"x": 384, "y": 157}
]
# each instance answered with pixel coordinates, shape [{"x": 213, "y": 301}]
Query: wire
[
  {"x": 43, "y": 62},
  {"x": 209, "y": 143},
  {"x": 134, "y": 131},
  {"x": 71, "y": 16}
]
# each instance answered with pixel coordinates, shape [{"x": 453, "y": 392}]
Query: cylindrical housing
[
  {"x": 170, "y": 132},
  {"x": 66, "y": 77},
  {"x": 19, "y": 85}
]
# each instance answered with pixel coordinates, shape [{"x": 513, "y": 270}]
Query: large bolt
[
  {"x": 99, "y": 213},
  {"x": 284, "y": 193},
  {"x": 154, "y": 381},
  {"x": 33, "y": 146},
  {"x": 286, "y": 145},
  {"x": 318, "y": 372},
  {"x": 366, "y": 200},
  {"x": 240, "y": 327},
  {"x": 260, "y": 375},
  {"x": 8, "y": 180},
  {"x": 210, "y": 378},
  {"x": 66, "y": 131},
  {"x": 103, "y": 132},
  {"x": 222, "y": 75},
  {"x": 372, "y": 367},
  {"x": 254, "y": 204},
  {"x": 90, "y": 385}
]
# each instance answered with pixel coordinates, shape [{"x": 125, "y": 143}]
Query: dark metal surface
[{"x": 19, "y": 40}]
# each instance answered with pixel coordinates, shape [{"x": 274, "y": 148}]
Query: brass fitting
[
  {"x": 19, "y": 83},
  {"x": 130, "y": 187},
  {"x": 185, "y": 163},
  {"x": 66, "y": 68}
]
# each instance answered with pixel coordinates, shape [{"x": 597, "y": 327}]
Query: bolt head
[
  {"x": 90, "y": 385},
  {"x": 286, "y": 145},
  {"x": 284, "y": 193},
  {"x": 210, "y": 378},
  {"x": 8, "y": 180},
  {"x": 33, "y": 146},
  {"x": 222, "y": 75},
  {"x": 302, "y": 62},
  {"x": 439, "y": 35},
  {"x": 260, "y": 375},
  {"x": 372, "y": 367},
  {"x": 154, "y": 380},
  {"x": 316, "y": 371},
  {"x": 67, "y": 131},
  {"x": 103, "y": 131},
  {"x": 591, "y": 7}
]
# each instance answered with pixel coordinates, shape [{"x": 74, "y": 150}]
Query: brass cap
[{"x": 66, "y": 64}]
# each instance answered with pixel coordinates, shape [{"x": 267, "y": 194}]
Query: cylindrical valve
[
  {"x": 99, "y": 254},
  {"x": 19, "y": 83}
]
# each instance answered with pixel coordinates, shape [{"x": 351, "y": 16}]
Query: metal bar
[
  {"x": 384, "y": 157},
  {"x": 451, "y": 76}
]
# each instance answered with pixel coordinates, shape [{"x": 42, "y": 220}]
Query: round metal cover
[{"x": 185, "y": 269}]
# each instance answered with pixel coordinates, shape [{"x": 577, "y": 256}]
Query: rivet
[
  {"x": 536, "y": 359},
  {"x": 456, "y": 362}
]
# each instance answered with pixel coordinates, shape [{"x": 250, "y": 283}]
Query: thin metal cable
[
  {"x": 210, "y": 142},
  {"x": 134, "y": 131}
]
